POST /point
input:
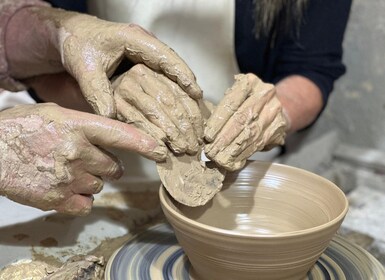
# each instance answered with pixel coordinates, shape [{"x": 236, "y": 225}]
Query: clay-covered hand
[
  {"x": 52, "y": 158},
  {"x": 160, "y": 107},
  {"x": 248, "y": 119},
  {"x": 90, "y": 49}
]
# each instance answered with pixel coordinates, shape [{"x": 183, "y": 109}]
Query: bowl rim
[{"x": 224, "y": 232}]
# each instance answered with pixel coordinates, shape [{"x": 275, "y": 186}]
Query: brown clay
[
  {"x": 189, "y": 180},
  {"x": 270, "y": 221}
]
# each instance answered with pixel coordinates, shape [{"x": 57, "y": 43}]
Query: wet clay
[
  {"x": 189, "y": 180},
  {"x": 248, "y": 119},
  {"x": 26, "y": 269},
  {"x": 154, "y": 104},
  {"x": 77, "y": 267},
  {"x": 266, "y": 218},
  {"x": 90, "y": 49},
  {"x": 158, "y": 106}
]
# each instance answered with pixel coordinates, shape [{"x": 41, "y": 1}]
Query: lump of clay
[
  {"x": 79, "y": 267},
  {"x": 25, "y": 269},
  {"x": 188, "y": 179}
]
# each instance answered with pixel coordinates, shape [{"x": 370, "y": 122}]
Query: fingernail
[
  {"x": 196, "y": 91},
  {"x": 106, "y": 111},
  {"x": 209, "y": 134},
  {"x": 160, "y": 153}
]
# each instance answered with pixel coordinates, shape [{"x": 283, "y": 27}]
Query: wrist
[{"x": 31, "y": 51}]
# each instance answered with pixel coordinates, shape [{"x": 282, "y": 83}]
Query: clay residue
[
  {"x": 159, "y": 107},
  {"x": 79, "y": 267},
  {"x": 189, "y": 180},
  {"x": 20, "y": 236},
  {"x": 26, "y": 269},
  {"x": 248, "y": 119},
  {"x": 49, "y": 242}
]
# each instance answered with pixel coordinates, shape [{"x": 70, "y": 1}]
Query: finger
[
  {"x": 87, "y": 184},
  {"x": 77, "y": 204},
  {"x": 253, "y": 138},
  {"x": 91, "y": 77},
  {"x": 162, "y": 90},
  {"x": 147, "y": 49},
  {"x": 248, "y": 113},
  {"x": 106, "y": 132},
  {"x": 129, "y": 114},
  {"x": 192, "y": 109},
  {"x": 272, "y": 136},
  {"x": 232, "y": 100},
  {"x": 132, "y": 92},
  {"x": 99, "y": 162},
  {"x": 97, "y": 91},
  {"x": 256, "y": 136}
]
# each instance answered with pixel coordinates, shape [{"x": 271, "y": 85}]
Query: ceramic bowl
[{"x": 269, "y": 221}]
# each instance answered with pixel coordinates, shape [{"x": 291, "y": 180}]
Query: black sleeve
[
  {"x": 315, "y": 51},
  {"x": 70, "y": 5}
]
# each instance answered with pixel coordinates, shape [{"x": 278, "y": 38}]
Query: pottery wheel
[{"x": 155, "y": 254}]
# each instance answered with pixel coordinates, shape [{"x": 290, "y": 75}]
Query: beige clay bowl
[{"x": 269, "y": 221}]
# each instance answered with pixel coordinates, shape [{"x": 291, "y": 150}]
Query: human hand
[
  {"x": 89, "y": 49},
  {"x": 52, "y": 158},
  {"x": 248, "y": 119},
  {"x": 157, "y": 105}
]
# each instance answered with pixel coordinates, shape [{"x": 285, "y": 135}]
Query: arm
[
  {"x": 8, "y": 8},
  {"x": 59, "y": 158},
  {"x": 301, "y": 100},
  {"x": 89, "y": 49}
]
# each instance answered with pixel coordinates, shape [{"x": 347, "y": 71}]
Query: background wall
[{"x": 357, "y": 106}]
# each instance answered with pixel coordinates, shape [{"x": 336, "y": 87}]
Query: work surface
[{"x": 28, "y": 233}]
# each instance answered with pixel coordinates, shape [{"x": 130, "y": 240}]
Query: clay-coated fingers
[
  {"x": 232, "y": 100},
  {"x": 99, "y": 162},
  {"x": 267, "y": 130},
  {"x": 87, "y": 184},
  {"x": 191, "y": 106},
  {"x": 142, "y": 47},
  {"x": 247, "y": 114},
  {"x": 106, "y": 132},
  {"x": 132, "y": 92},
  {"x": 258, "y": 131},
  {"x": 91, "y": 77},
  {"x": 129, "y": 114},
  {"x": 77, "y": 204},
  {"x": 168, "y": 95}
]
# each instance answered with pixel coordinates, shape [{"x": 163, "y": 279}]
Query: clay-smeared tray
[{"x": 155, "y": 254}]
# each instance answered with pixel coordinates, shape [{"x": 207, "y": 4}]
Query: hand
[
  {"x": 51, "y": 157},
  {"x": 144, "y": 98},
  {"x": 155, "y": 104},
  {"x": 89, "y": 49},
  {"x": 248, "y": 119}
]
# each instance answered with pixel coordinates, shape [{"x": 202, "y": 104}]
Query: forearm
[
  {"x": 301, "y": 100},
  {"x": 31, "y": 44},
  {"x": 8, "y": 8}
]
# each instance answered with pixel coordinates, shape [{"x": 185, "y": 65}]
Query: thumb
[
  {"x": 111, "y": 133},
  {"x": 97, "y": 90}
]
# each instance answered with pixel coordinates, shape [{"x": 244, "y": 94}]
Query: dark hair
[{"x": 272, "y": 16}]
